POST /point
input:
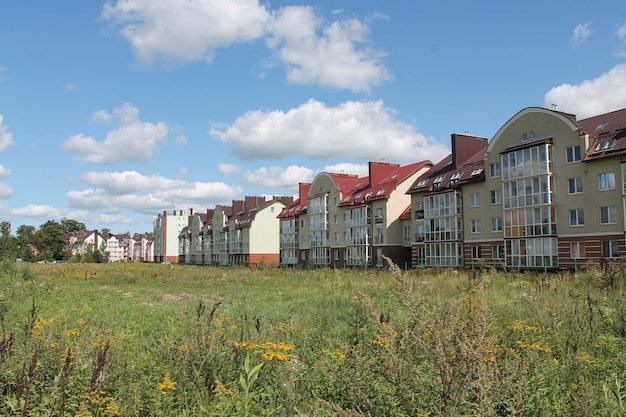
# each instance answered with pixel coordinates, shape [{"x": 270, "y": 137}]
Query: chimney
[
  {"x": 466, "y": 146},
  {"x": 238, "y": 206},
  {"x": 379, "y": 171},
  {"x": 303, "y": 191}
]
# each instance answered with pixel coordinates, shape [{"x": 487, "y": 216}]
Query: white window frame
[
  {"x": 576, "y": 217},
  {"x": 610, "y": 249},
  {"x": 494, "y": 197},
  {"x": 497, "y": 222},
  {"x": 611, "y": 214},
  {"x": 577, "y": 250},
  {"x": 570, "y": 154},
  {"x": 476, "y": 252},
  {"x": 475, "y": 200},
  {"x": 475, "y": 226},
  {"x": 497, "y": 252},
  {"x": 577, "y": 185},
  {"x": 494, "y": 170},
  {"x": 606, "y": 181}
]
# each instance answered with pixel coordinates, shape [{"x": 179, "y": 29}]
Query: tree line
[{"x": 46, "y": 243}]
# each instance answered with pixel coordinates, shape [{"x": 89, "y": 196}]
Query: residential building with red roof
[{"x": 292, "y": 218}]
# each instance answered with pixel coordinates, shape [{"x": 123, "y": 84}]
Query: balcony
[
  {"x": 378, "y": 219},
  {"x": 419, "y": 214}
]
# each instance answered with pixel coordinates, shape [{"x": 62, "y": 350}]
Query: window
[
  {"x": 303, "y": 256},
  {"x": 608, "y": 215},
  {"x": 494, "y": 170},
  {"x": 577, "y": 217},
  {"x": 606, "y": 181},
  {"x": 407, "y": 233},
  {"x": 610, "y": 249},
  {"x": 336, "y": 219},
  {"x": 496, "y": 224},
  {"x": 474, "y": 200},
  {"x": 494, "y": 196},
  {"x": 336, "y": 254},
  {"x": 476, "y": 252},
  {"x": 497, "y": 252},
  {"x": 577, "y": 250},
  {"x": 475, "y": 225},
  {"x": 336, "y": 237},
  {"x": 575, "y": 185},
  {"x": 573, "y": 154}
]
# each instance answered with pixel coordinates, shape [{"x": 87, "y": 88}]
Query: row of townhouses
[
  {"x": 119, "y": 247},
  {"x": 548, "y": 191}
]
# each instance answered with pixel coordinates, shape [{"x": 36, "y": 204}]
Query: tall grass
[{"x": 162, "y": 340}]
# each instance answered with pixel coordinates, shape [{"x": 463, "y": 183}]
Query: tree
[
  {"x": 8, "y": 245},
  {"x": 70, "y": 225},
  {"x": 25, "y": 238},
  {"x": 105, "y": 232},
  {"x": 50, "y": 239}
]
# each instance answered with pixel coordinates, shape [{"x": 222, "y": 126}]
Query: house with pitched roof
[
  {"x": 291, "y": 217},
  {"x": 440, "y": 200},
  {"x": 81, "y": 241}
]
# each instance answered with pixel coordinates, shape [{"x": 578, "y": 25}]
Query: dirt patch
[{"x": 181, "y": 298}]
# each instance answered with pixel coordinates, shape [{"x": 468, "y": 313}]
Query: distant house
[
  {"x": 142, "y": 250},
  {"x": 80, "y": 242},
  {"x": 118, "y": 247}
]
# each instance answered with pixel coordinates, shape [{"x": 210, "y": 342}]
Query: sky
[{"x": 112, "y": 112}]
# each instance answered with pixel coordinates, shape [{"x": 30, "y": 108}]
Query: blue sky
[{"x": 112, "y": 112}]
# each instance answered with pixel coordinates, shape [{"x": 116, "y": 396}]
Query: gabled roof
[
  {"x": 298, "y": 206},
  {"x": 245, "y": 218},
  {"x": 406, "y": 214},
  {"x": 607, "y": 134},
  {"x": 383, "y": 179},
  {"x": 446, "y": 175}
]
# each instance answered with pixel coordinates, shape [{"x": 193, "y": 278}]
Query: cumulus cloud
[
  {"x": 582, "y": 31},
  {"x": 5, "y": 191},
  {"x": 331, "y": 59},
  {"x": 278, "y": 177},
  {"x": 591, "y": 97},
  {"x": 621, "y": 34},
  {"x": 228, "y": 169},
  {"x": 147, "y": 193},
  {"x": 360, "y": 170},
  {"x": 131, "y": 140},
  {"x": 336, "y": 54},
  {"x": 360, "y": 130},
  {"x": 183, "y": 32},
  {"x": 6, "y": 137},
  {"x": 4, "y": 172},
  {"x": 37, "y": 210}
]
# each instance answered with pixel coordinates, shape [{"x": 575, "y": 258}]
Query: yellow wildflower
[
  {"x": 183, "y": 348},
  {"x": 585, "y": 357},
  {"x": 54, "y": 345},
  {"x": 72, "y": 332},
  {"x": 339, "y": 353},
  {"x": 81, "y": 321},
  {"x": 555, "y": 361},
  {"x": 600, "y": 342},
  {"x": 167, "y": 385},
  {"x": 220, "y": 389},
  {"x": 574, "y": 386}
]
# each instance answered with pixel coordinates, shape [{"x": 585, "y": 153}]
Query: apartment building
[
  {"x": 142, "y": 247},
  {"x": 244, "y": 233},
  {"x": 437, "y": 199},
  {"x": 542, "y": 194},
  {"x": 292, "y": 219},
  {"x": 84, "y": 241},
  {"x": 167, "y": 227},
  {"x": 119, "y": 247},
  {"x": 344, "y": 220}
]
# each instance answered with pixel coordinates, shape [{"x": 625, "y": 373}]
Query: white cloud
[
  {"x": 69, "y": 87},
  {"x": 131, "y": 140},
  {"x": 278, "y": 177},
  {"x": 132, "y": 190},
  {"x": 621, "y": 32},
  {"x": 37, "y": 210},
  {"x": 176, "y": 33},
  {"x": 5, "y": 191},
  {"x": 180, "y": 140},
  {"x": 582, "y": 31},
  {"x": 331, "y": 59},
  {"x": 360, "y": 170},
  {"x": 181, "y": 32},
  {"x": 6, "y": 137},
  {"x": 228, "y": 169},
  {"x": 4, "y": 172},
  {"x": 102, "y": 116},
  {"x": 360, "y": 130},
  {"x": 591, "y": 97}
]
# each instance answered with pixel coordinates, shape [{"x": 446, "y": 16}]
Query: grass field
[{"x": 172, "y": 340}]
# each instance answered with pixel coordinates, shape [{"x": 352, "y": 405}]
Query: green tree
[
  {"x": 70, "y": 225},
  {"x": 50, "y": 239},
  {"x": 8, "y": 244},
  {"x": 105, "y": 232},
  {"x": 25, "y": 238}
]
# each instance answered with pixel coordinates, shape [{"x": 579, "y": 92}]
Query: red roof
[
  {"x": 607, "y": 133},
  {"x": 383, "y": 179}
]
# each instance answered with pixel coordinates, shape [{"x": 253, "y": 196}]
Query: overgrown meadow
[{"x": 173, "y": 340}]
